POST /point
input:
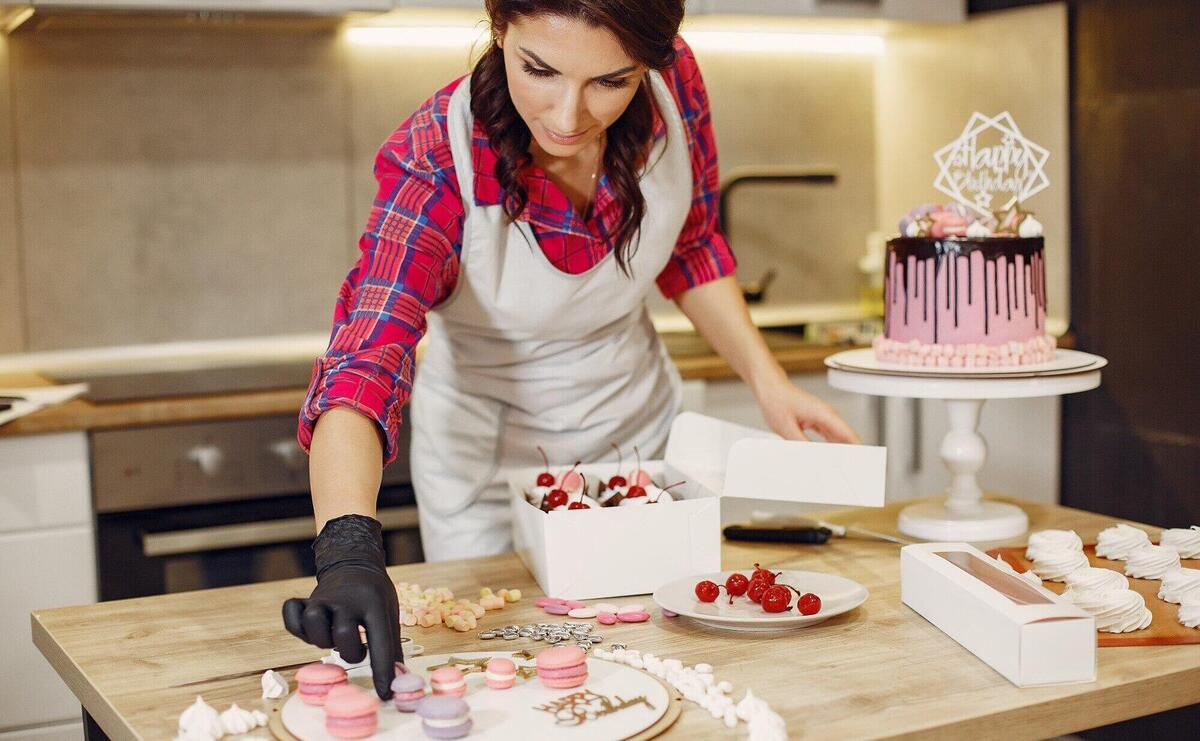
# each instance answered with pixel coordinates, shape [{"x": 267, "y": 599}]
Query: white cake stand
[{"x": 963, "y": 515}]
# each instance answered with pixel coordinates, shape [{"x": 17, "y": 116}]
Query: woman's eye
[
  {"x": 616, "y": 84},
  {"x": 534, "y": 71}
]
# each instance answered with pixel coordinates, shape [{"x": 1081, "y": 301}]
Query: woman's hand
[{"x": 792, "y": 412}]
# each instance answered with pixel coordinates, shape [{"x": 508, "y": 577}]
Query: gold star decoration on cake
[{"x": 1008, "y": 220}]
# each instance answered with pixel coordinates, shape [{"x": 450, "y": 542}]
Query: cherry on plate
[
  {"x": 707, "y": 591},
  {"x": 809, "y": 604}
]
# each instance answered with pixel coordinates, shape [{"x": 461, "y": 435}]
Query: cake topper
[
  {"x": 580, "y": 707},
  {"x": 991, "y": 167}
]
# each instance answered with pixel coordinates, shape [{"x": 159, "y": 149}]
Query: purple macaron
[
  {"x": 445, "y": 716},
  {"x": 407, "y": 691}
]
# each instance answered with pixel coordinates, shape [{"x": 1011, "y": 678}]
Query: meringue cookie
[
  {"x": 1030, "y": 227},
  {"x": 235, "y": 720},
  {"x": 1028, "y": 576},
  {"x": 1117, "y": 541},
  {"x": 1089, "y": 578},
  {"x": 1189, "y": 613},
  {"x": 1184, "y": 540},
  {"x": 1179, "y": 586},
  {"x": 1056, "y": 564},
  {"x": 1115, "y": 610},
  {"x": 274, "y": 686},
  {"x": 1151, "y": 562},
  {"x": 1048, "y": 540},
  {"x": 200, "y": 721}
]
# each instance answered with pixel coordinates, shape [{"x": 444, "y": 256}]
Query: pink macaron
[
  {"x": 315, "y": 680},
  {"x": 501, "y": 673},
  {"x": 351, "y": 712},
  {"x": 448, "y": 680},
  {"x": 562, "y": 667}
]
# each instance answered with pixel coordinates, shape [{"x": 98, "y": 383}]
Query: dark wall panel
[{"x": 1132, "y": 448}]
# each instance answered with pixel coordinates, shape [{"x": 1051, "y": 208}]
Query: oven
[{"x": 210, "y": 504}]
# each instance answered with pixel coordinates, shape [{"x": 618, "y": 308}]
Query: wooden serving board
[{"x": 1164, "y": 630}]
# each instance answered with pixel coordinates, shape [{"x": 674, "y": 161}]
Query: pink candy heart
[
  {"x": 553, "y": 609},
  {"x": 633, "y": 617},
  {"x": 606, "y": 618}
]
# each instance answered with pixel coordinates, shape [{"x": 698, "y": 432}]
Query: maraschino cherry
[
  {"x": 707, "y": 591},
  {"x": 736, "y": 585},
  {"x": 582, "y": 494},
  {"x": 765, "y": 574},
  {"x": 545, "y": 478},
  {"x": 618, "y": 480},
  {"x": 756, "y": 589}
]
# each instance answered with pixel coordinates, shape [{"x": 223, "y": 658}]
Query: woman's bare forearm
[{"x": 345, "y": 465}]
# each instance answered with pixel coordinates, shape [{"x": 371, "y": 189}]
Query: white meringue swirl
[
  {"x": 200, "y": 721},
  {"x": 1117, "y": 541},
  {"x": 1189, "y": 613},
  {"x": 1115, "y": 610},
  {"x": 1179, "y": 586},
  {"x": 1054, "y": 565},
  {"x": 1184, "y": 540},
  {"x": 1151, "y": 562},
  {"x": 274, "y": 686},
  {"x": 1091, "y": 577},
  {"x": 1045, "y": 540}
]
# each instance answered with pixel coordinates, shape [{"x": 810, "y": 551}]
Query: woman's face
[{"x": 568, "y": 80}]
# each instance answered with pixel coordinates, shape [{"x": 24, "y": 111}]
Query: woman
[{"x": 522, "y": 218}]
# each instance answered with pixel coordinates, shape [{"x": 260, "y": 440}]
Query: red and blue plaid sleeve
[
  {"x": 409, "y": 264},
  {"x": 701, "y": 252}
]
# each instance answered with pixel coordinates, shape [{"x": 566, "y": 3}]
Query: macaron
[
  {"x": 407, "y": 691},
  {"x": 315, "y": 680},
  {"x": 351, "y": 712},
  {"x": 501, "y": 673},
  {"x": 562, "y": 667},
  {"x": 443, "y": 716},
  {"x": 448, "y": 681}
]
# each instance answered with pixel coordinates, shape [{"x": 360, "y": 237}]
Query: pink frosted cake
[{"x": 964, "y": 292}]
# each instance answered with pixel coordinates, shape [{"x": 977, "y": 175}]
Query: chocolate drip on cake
[{"x": 1020, "y": 259}]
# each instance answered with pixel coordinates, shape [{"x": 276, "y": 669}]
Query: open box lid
[{"x": 746, "y": 463}]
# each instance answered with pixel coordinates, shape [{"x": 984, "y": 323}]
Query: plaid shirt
[{"x": 412, "y": 242}]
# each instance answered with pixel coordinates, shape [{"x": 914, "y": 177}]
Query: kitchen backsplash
[{"x": 171, "y": 184}]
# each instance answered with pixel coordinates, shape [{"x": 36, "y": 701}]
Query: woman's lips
[{"x": 558, "y": 138}]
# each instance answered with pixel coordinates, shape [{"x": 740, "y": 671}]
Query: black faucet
[{"x": 755, "y": 291}]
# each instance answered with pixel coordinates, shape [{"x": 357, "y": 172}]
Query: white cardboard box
[
  {"x": 1028, "y": 634},
  {"x": 617, "y": 551}
]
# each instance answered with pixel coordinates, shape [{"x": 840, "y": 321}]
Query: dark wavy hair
[{"x": 646, "y": 30}]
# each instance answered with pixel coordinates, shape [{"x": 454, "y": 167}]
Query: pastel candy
[
  {"x": 607, "y": 607},
  {"x": 668, "y": 613},
  {"x": 573, "y": 604},
  {"x": 554, "y": 609},
  {"x": 606, "y": 618},
  {"x": 631, "y": 607},
  {"x": 543, "y": 601},
  {"x": 582, "y": 612},
  {"x": 633, "y": 617}
]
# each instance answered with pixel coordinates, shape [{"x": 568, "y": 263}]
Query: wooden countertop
[
  {"x": 694, "y": 358},
  {"x": 878, "y": 671}
]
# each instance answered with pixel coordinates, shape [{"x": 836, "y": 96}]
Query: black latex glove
[{"x": 353, "y": 589}]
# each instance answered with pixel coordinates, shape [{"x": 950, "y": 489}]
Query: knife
[{"x": 805, "y": 531}]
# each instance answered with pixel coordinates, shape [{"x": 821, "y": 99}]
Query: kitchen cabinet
[
  {"x": 47, "y": 551},
  {"x": 908, "y": 10},
  {"x": 1022, "y": 437},
  {"x": 303, "y": 7}
]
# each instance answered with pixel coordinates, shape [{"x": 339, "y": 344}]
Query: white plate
[
  {"x": 1065, "y": 362},
  {"x": 838, "y": 594},
  {"x": 513, "y": 713}
]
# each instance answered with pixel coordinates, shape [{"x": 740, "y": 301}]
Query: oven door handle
[{"x": 267, "y": 532}]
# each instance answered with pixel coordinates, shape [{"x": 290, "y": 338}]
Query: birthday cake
[
  {"x": 965, "y": 284},
  {"x": 965, "y": 291}
]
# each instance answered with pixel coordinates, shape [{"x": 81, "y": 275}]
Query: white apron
[{"x": 522, "y": 354}]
